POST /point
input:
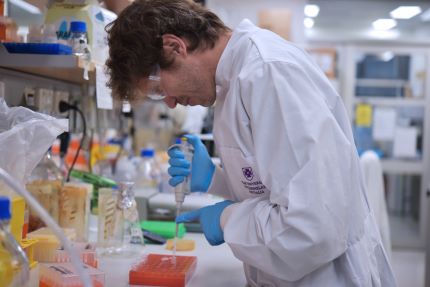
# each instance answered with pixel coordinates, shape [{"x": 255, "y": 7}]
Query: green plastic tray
[{"x": 165, "y": 229}]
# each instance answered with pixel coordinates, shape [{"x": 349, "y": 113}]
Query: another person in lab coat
[{"x": 297, "y": 213}]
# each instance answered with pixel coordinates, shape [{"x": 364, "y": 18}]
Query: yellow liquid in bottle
[{"x": 6, "y": 268}]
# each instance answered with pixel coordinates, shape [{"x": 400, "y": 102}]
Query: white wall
[{"x": 233, "y": 11}]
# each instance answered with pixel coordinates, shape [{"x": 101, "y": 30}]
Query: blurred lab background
[{"x": 376, "y": 54}]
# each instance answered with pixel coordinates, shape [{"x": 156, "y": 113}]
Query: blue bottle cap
[
  {"x": 4, "y": 208},
  {"x": 78, "y": 26},
  {"x": 115, "y": 141},
  {"x": 147, "y": 152}
]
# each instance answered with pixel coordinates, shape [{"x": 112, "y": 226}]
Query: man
[{"x": 296, "y": 213}]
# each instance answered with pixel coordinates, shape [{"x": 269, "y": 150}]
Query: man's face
[
  {"x": 187, "y": 83},
  {"x": 189, "y": 79}
]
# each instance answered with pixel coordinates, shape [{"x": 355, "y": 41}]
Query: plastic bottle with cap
[
  {"x": 14, "y": 269},
  {"x": 78, "y": 37},
  {"x": 79, "y": 43}
]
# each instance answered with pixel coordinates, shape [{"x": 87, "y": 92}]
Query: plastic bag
[{"x": 25, "y": 136}]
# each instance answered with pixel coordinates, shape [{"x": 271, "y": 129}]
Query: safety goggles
[{"x": 154, "y": 88}]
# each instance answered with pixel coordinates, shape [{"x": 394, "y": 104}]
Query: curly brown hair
[{"x": 135, "y": 42}]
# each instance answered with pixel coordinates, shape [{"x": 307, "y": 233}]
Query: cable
[
  {"x": 63, "y": 107},
  {"x": 90, "y": 150}
]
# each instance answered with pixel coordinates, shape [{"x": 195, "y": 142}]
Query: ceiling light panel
[
  {"x": 308, "y": 22},
  {"x": 312, "y": 10},
  {"x": 405, "y": 12},
  {"x": 384, "y": 24}
]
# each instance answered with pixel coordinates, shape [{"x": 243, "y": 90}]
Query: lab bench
[{"x": 216, "y": 265}]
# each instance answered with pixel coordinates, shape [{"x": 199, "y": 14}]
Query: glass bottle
[
  {"x": 132, "y": 233},
  {"x": 14, "y": 268},
  {"x": 119, "y": 229},
  {"x": 47, "y": 169},
  {"x": 78, "y": 37}
]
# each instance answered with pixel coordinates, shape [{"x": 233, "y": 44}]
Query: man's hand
[
  {"x": 209, "y": 218},
  {"x": 202, "y": 167}
]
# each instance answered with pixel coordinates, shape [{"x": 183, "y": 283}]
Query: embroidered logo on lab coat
[
  {"x": 247, "y": 173},
  {"x": 253, "y": 187}
]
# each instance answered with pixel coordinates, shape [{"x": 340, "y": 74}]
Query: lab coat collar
[{"x": 232, "y": 54}]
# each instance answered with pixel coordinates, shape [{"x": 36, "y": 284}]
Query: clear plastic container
[
  {"x": 149, "y": 174},
  {"x": 45, "y": 184},
  {"x": 14, "y": 268},
  {"x": 74, "y": 204},
  {"x": 110, "y": 224}
]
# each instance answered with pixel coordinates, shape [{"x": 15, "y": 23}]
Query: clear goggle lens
[{"x": 154, "y": 89}]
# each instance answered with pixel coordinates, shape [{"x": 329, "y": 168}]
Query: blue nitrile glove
[
  {"x": 202, "y": 166},
  {"x": 209, "y": 218}
]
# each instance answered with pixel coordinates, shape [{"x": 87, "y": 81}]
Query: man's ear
[{"x": 174, "y": 46}]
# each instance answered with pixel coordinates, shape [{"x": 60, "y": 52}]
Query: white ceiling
[
  {"x": 342, "y": 20},
  {"x": 354, "y": 18}
]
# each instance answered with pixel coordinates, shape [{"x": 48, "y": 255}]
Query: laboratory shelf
[
  {"x": 67, "y": 68},
  {"x": 390, "y": 102},
  {"x": 366, "y": 77},
  {"x": 399, "y": 166},
  {"x": 380, "y": 83}
]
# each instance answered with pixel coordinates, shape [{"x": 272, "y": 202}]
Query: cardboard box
[
  {"x": 60, "y": 15},
  {"x": 277, "y": 21}
]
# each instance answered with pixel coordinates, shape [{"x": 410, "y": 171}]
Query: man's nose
[{"x": 170, "y": 101}]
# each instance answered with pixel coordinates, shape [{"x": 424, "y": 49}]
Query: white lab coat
[
  {"x": 289, "y": 160},
  {"x": 374, "y": 181}
]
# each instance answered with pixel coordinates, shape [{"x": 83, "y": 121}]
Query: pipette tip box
[
  {"x": 162, "y": 270},
  {"x": 64, "y": 275},
  {"x": 85, "y": 250},
  {"x": 47, "y": 243}
]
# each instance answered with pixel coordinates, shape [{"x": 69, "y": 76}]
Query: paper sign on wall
[
  {"x": 384, "y": 124},
  {"x": 405, "y": 142},
  {"x": 104, "y": 94}
]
